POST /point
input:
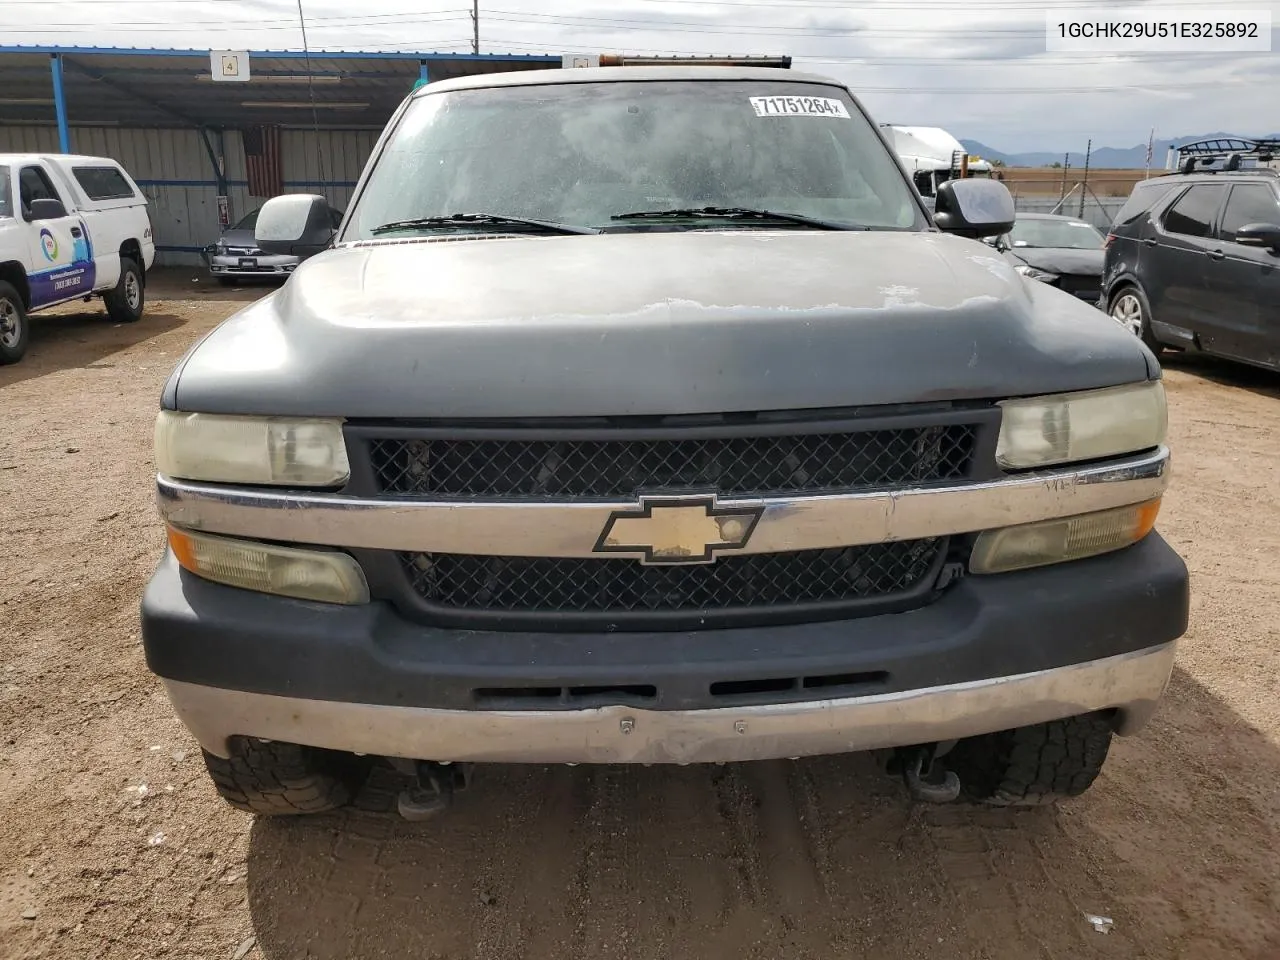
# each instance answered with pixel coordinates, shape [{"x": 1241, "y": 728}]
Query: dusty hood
[{"x": 657, "y": 323}]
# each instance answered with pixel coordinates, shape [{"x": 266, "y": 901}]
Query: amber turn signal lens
[
  {"x": 324, "y": 575},
  {"x": 1063, "y": 538}
]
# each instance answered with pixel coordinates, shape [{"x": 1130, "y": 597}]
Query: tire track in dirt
[
  {"x": 606, "y": 924},
  {"x": 784, "y": 847},
  {"x": 785, "y": 908},
  {"x": 535, "y": 871},
  {"x": 661, "y": 879},
  {"x": 693, "y": 855},
  {"x": 701, "y": 842}
]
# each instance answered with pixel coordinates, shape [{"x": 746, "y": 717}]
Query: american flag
[{"x": 262, "y": 161}]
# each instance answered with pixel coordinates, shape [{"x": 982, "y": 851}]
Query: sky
[{"x": 976, "y": 67}]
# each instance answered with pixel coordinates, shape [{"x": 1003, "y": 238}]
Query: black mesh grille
[
  {"x": 733, "y": 465},
  {"x": 1079, "y": 285},
  {"x": 616, "y": 586}
]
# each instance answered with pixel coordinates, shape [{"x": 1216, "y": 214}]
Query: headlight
[
  {"x": 1035, "y": 273},
  {"x": 1091, "y": 425},
  {"x": 1062, "y": 539},
  {"x": 278, "y": 451},
  {"x": 323, "y": 575}
]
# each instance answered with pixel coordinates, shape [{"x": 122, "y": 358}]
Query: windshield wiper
[
  {"x": 464, "y": 219},
  {"x": 737, "y": 213}
]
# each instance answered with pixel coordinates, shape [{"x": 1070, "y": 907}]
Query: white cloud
[{"x": 973, "y": 67}]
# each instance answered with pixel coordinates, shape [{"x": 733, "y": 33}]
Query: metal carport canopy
[{"x": 164, "y": 88}]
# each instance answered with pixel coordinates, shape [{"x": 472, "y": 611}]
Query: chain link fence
[{"x": 1098, "y": 211}]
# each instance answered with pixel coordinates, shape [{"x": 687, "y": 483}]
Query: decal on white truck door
[
  {"x": 59, "y": 259},
  {"x": 66, "y": 251}
]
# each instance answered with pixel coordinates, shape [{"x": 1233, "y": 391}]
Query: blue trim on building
[
  {"x": 177, "y": 248},
  {"x": 320, "y": 183},
  {"x": 60, "y": 104},
  {"x": 185, "y": 183},
  {"x": 282, "y": 54},
  {"x": 384, "y": 74},
  {"x": 240, "y": 183}
]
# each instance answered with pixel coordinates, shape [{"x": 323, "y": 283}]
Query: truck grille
[
  {"x": 618, "y": 587},
  {"x": 742, "y": 465},
  {"x": 1087, "y": 288}
]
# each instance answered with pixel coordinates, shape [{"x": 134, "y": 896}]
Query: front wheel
[
  {"x": 1130, "y": 309},
  {"x": 283, "y": 779},
  {"x": 125, "y": 302},
  {"x": 1032, "y": 766},
  {"x": 13, "y": 325}
]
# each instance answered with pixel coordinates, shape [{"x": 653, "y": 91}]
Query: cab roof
[
  {"x": 55, "y": 158},
  {"x": 682, "y": 72}
]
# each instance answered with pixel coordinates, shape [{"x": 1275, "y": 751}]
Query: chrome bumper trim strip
[{"x": 573, "y": 529}]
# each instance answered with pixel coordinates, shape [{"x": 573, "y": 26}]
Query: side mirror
[
  {"x": 974, "y": 208},
  {"x": 1265, "y": 235},
  {"x": 47, "y": 209},
  {"x": 299, "y": 225}
]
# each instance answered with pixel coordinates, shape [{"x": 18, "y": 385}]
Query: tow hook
[
  {"x": 433, "y": 790},
  {"x": 927, "y": 780}
]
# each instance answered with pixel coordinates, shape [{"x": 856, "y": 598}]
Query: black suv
[{"x": 1193, "y": 258}]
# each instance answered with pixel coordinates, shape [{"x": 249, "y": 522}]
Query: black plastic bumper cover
[{"x": 983, "y": 627}]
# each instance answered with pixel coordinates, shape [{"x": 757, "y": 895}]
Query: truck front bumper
[
  {"x": 259, "y": 265},
  {"x": 992, "y": 653}
]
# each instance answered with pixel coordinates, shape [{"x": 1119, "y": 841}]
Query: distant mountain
[{"x": 1102, "y": 158}]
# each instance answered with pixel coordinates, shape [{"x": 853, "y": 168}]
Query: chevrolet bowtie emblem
[{"x": 682, "y": 529}]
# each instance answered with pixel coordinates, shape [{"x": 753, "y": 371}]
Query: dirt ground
[{"x": 114, "y": 845}]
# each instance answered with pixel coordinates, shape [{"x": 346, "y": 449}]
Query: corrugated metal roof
[
  {"x": 283, "y": 54},
  {"x": 149, "y": 87}
]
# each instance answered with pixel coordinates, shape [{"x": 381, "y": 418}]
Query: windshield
[
  {"x": 249, "y": 221},
  {"x": 1061, "y": 234},
  {"x": 584, "y": 153}
]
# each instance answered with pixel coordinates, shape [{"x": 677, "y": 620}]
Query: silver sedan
[{"x": 236, "y": 256}]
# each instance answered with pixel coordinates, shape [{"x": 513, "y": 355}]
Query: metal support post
[{"x": 60, "y": 104}]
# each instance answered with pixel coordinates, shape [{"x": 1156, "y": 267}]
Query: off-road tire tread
[
  {"x": 117, "y": 308},
  {"x": 1032, "y": 766},
  {"x": 283, "y": 779}
]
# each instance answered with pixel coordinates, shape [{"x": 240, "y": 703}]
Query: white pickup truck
[
  {"x": 931, "y": 157},
  {"x": 71, "y": 228}
]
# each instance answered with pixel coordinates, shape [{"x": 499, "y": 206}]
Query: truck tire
[
  {"x": 14, "y": 329},
  {"x": 125, "y": 302},
  {"x": 283, "y": 779},
  {"x": 1032, "y": 766}
]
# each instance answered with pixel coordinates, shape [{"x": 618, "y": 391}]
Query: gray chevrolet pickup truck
[{"x": 644, "y": 415}]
